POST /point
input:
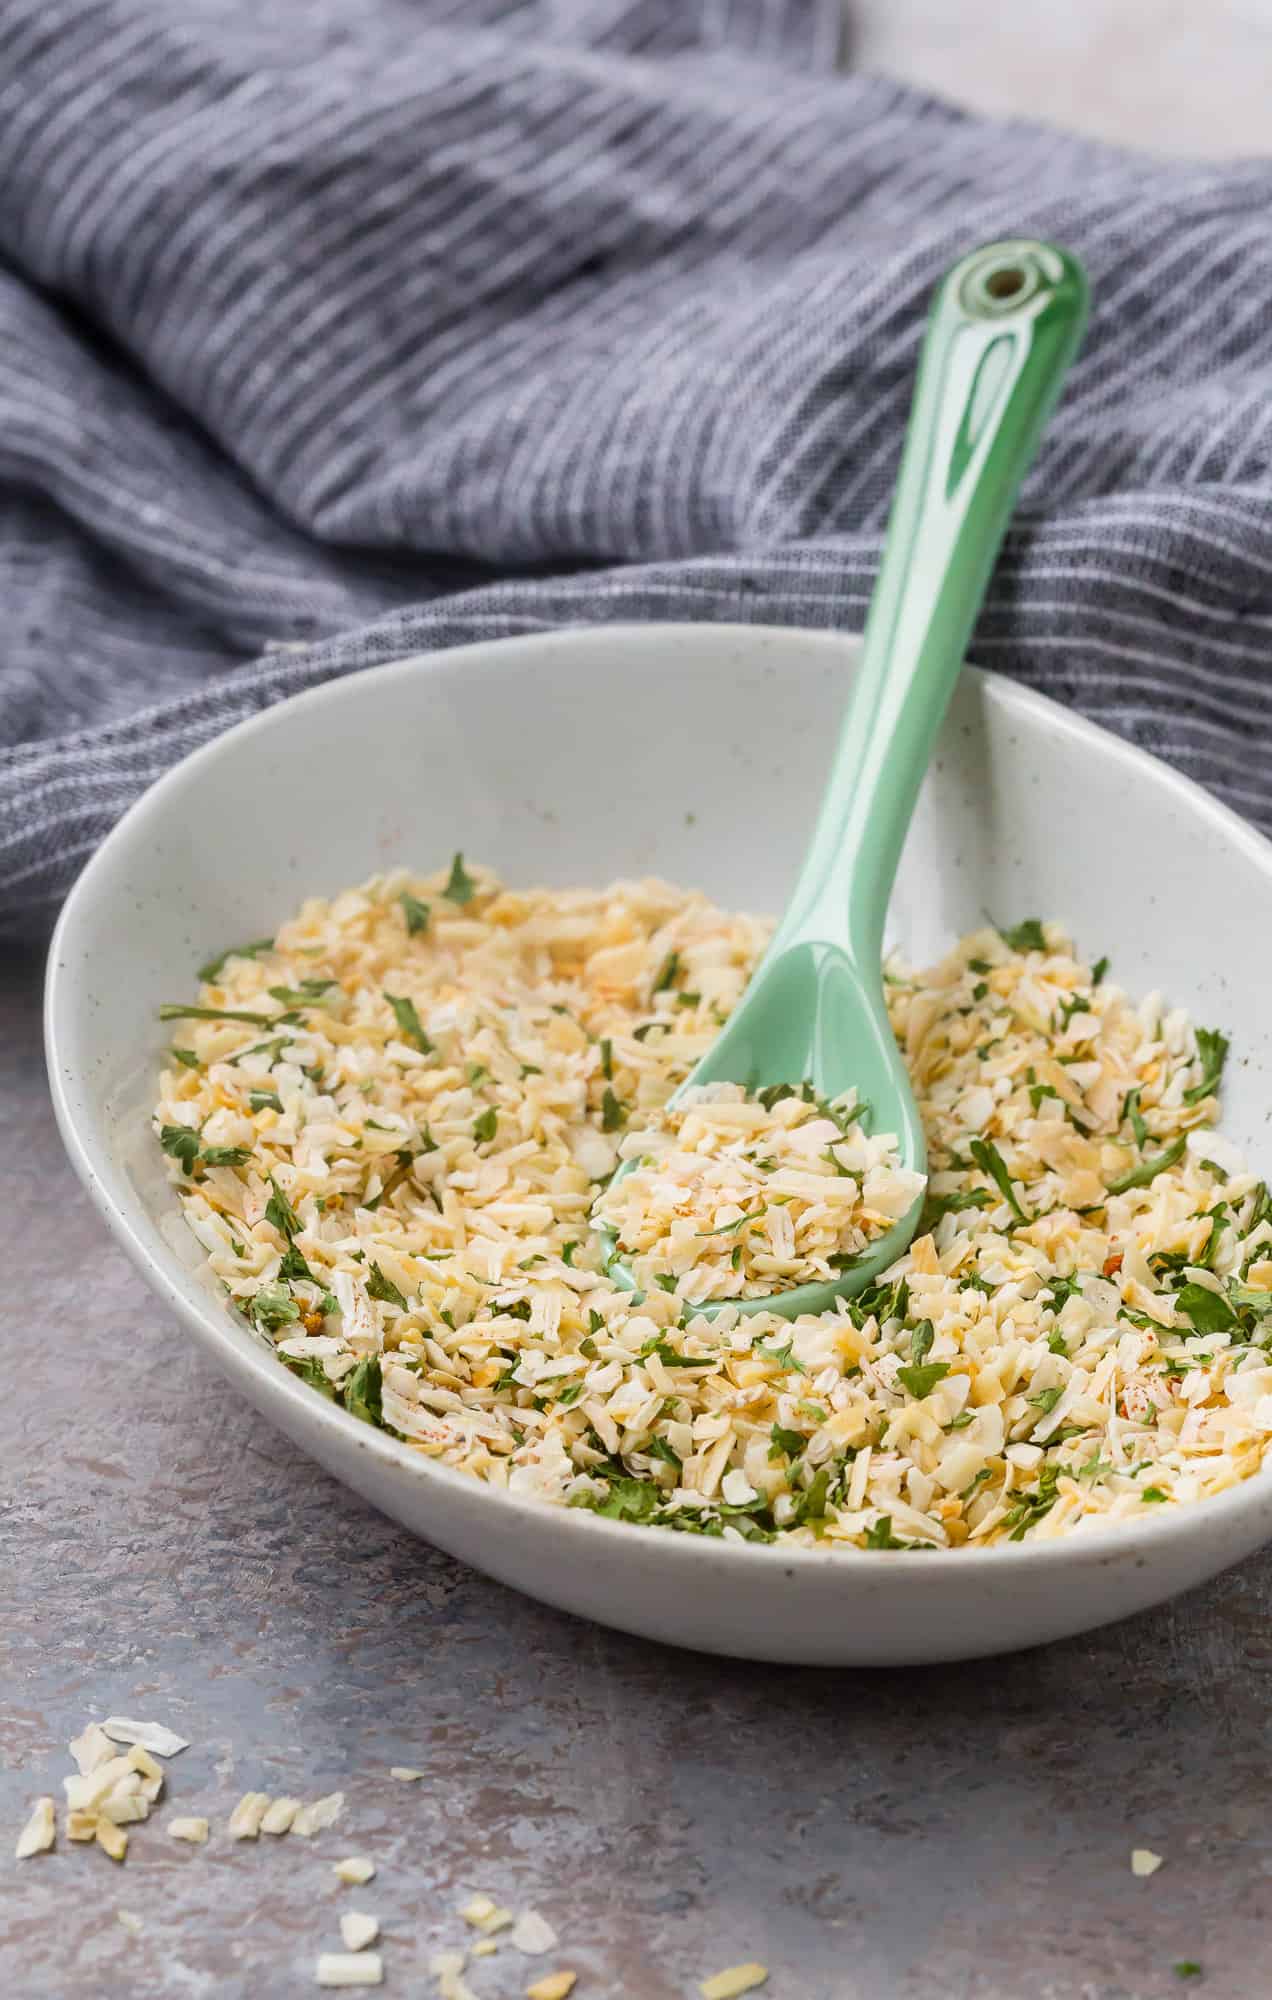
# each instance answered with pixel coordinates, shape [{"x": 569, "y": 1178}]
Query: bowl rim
[{"x": 234, "y": 1346}]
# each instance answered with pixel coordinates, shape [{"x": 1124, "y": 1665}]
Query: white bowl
[{"x": 696, "y": 752}]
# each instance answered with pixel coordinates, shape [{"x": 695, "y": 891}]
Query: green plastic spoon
[{"x": 1005, "y": 324}]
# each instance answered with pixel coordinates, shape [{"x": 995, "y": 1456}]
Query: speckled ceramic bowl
[{"x": 696, "y": 752}]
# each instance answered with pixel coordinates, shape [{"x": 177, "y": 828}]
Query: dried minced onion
[
  {"x": 731, "y": 1194},
  {"x": 392, "y": 1164},
  {"x": 40, "y": 1831},
  {"x": 155, "y": 1736}
]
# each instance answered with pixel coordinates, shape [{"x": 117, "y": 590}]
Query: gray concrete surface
[{"x": 950, "y": 1834}]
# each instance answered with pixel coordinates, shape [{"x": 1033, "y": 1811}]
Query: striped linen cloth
[{"x": 342, "y": 328}]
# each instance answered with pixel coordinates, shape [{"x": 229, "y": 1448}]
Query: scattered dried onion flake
[
  {"x": 40, "y": 1831},
  {"x": 735, "y": 1979},
  {"x": 355, "y": 1869},
  {"x": 151, "y": 1735},
  {"x": 151, "y": 1774},
  {"x": 90, "y": 1748},
  {"x": 349, "y": 1968},
  {"x": 321, "y": 1814},
  {"x": 556, "y": 1986},
  {"x": 85, "y": 1794},
  {"x": 111, "y": 1839},
  {"x": 358, "y": 1930},
  {"x": 279, "y": 1815},
  {"x": 246, "y": 1818},
  {"x": 533, "y": 1934}
]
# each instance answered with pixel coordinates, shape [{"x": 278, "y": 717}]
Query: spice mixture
[
  {"x": 389, "y": 1126},
  {"x": 730, "y": 1195}
]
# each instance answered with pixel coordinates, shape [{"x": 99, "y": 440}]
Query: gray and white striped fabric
[{"x": 340, "y": 328}]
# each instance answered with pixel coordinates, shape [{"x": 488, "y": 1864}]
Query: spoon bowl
[
  {"x": 811, "y": 1017},
  {"x": 1004, "y": 326}
]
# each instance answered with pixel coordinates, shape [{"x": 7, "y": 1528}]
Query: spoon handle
[{"x": 1004, "y": 326}]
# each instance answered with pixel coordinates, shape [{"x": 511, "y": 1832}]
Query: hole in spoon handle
[{"x": 1002, "y": 279}]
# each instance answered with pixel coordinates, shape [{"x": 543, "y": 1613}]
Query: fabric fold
[{"x": 362, "y": 326}]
